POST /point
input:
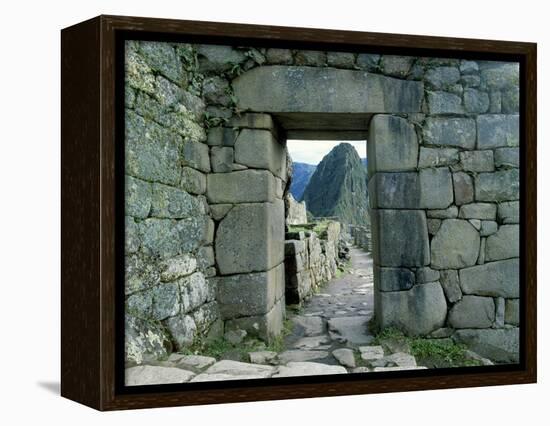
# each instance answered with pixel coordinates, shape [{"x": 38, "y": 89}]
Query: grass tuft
[{"x": 436, "y": 352}]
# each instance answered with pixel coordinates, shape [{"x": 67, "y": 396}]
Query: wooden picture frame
[{"x": 91, "y": 190}]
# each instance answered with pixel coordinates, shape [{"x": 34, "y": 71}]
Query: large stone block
[
  {"x": 448, "y": 213},
  {"x": 250, "y": 238},
  {"x": 442, "y": 77},
  {"x": 396, "y": 66},
  {"x": 500, "y": 75},
  {"x": 477, "y": 161},
  {"x": 170, "y": 202},
  {"x": 510, "y": 101},
  {"x": 496, "y": 130},
  {"x": 504, "y": 244},
  {"x": 279, "y": 56},
  {"x": 394, "y": 190},
  {"x": 162, "y": 57},
  {"x": 318, "y": 89},
  {"x": 218, "y": 58},
  {"x": 436, "y": 188},
  {"x": 472, "y": 312},
  {"x": 221, "y": 136},
  {"x": 436, "y": 157},
  {"x": 402, "y": 237},
  {"x": 183, "y": 330},
  {"x": 459, "y": 132},
  {"x": 131, "y": 237},
  {"x": 167, "y": 237},
  {"x": 392, "y": 146},
  {"x": 455, "y": 245},
  {"x": 507, "y": 157},
  {"x": 244, "y": 186},
  {"x": 250, "y": 294},
  {"x": 252, "y": 120},
  {"x": 265, "y": 326},
  {"x": 444, "y": 103},
  {"x": 312, "y": 58},
  {"x": 215, "y": 90},
  {"x": 140, "y": 304},
  {"x": 417, "y": 311},
  {"x": 500, "y": 345},
  {"x": 180, "y": 120},
  {"x": 137, "y": 197},
  {"x": 177, "y": 267},
  {"x": 207, "y": 320},
  {"x": 496, "y": 279},
  {"x": 502, "y": 185},
  {"x": 463, "y": 185},
  {"x": 427, "y": 275},
  {"x": 488, "y": 227},
  {"x": 451, "y": 286},
  {"x": 144, "y": 338},
  {"x": 341, "y": 59},
  {"x": 194, "y": 291},
  {"x": 152, "y": 152},
  {"x": 476, "y": 101},
  {"x": 259, "y": 149},
  {"x": 508, "y": 212},
  {"x": 393, "y": 279},
  {"x": 221, "y": 159},
  {"x": 511, "y": 315},
  {"x": 193, "y": 181},
  {"x": 166, "y": 301},
  {"x": 430, "y": 188},
  {"x": 369, "y": 62},
  {"x": 196, "y": 155},
  {"x": 483, "y": 211}
]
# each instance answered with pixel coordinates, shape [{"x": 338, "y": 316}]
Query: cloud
[{"x": 312, "y": 152}]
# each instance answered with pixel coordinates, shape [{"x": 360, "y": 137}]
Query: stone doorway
[{"x": 320, "y": 103}]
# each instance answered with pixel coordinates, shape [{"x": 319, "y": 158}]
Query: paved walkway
[{"x": 338, "y": 316}]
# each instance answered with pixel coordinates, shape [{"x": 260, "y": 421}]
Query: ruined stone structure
[
  {"x": 206, "y": 174},
  {"x": 310, "y": 261},
  {"x": 361, "y": 236},
  {"x": 296, "y": 213}
]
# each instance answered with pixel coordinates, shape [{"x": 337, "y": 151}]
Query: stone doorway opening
[{"x": 328, "y": 264}]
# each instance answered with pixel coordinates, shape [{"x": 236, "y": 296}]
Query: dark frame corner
[{"x": 89, "y": 99}]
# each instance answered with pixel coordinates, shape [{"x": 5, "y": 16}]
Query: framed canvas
[{"x": 255, "y": 212}]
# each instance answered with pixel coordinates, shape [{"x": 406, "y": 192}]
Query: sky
[{"x": 312, "y": 152}]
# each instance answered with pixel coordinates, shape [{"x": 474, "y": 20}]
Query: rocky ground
[{"x": 329, "y": 334}]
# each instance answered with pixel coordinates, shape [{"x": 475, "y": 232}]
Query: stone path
[
  {"x": 337, "y": 317},
  {"x": 330, "y": 335}
]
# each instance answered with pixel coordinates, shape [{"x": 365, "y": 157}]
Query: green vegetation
[
  {"x": 429, "y": 352},
  {"x": 320, "y": 228},
  {"x": 220, "y": 348},
  {"x": 343, "y": 269}
]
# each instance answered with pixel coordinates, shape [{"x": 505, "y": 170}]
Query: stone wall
[
  {"x": 296, "y": 213},
  {"x": 311, "y": 259},
  {"x": 361, "y": 236},
  {"x": 170, "y": 298},
  {"x": 444, "y": 189},
  {"x": 206, "y": 172}
]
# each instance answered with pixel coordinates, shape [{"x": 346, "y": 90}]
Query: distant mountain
[
  {"x": 338, "y": 187},
  {"x": 301, "y": 174}
]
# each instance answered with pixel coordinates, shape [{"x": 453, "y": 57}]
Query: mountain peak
[{"x": 338, "y": 187}]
